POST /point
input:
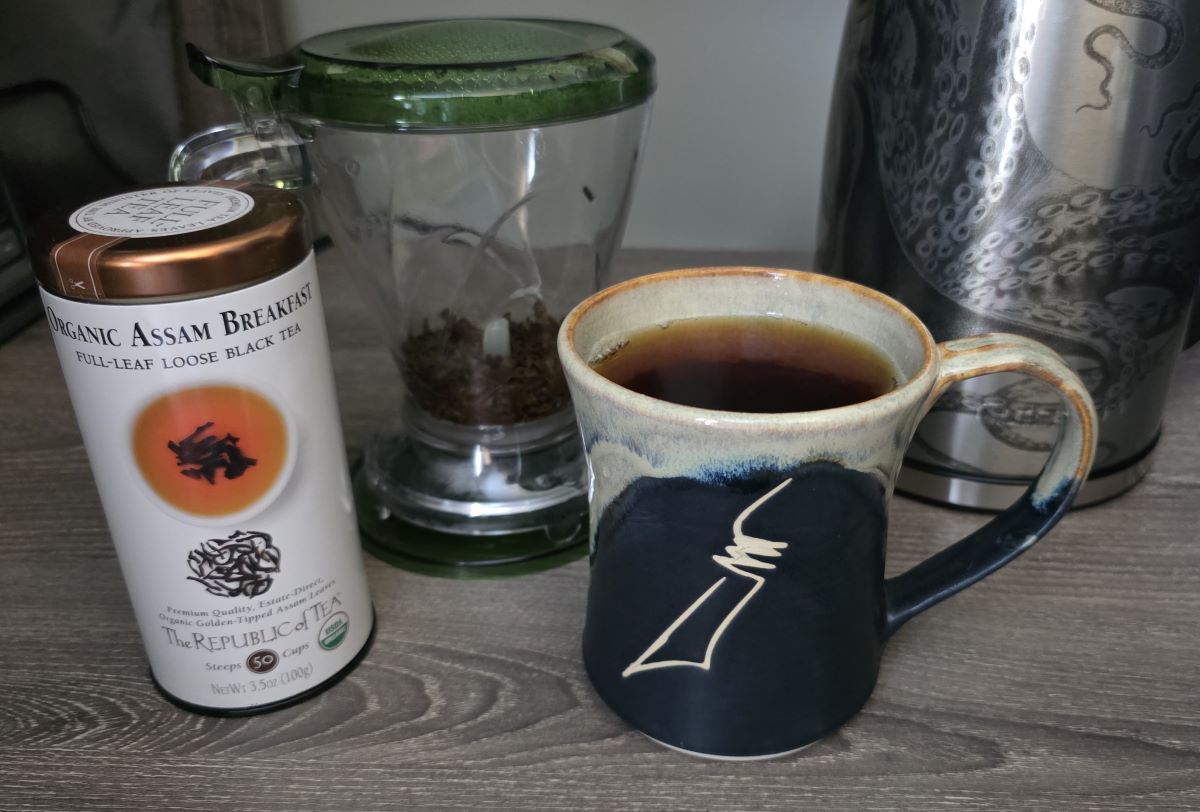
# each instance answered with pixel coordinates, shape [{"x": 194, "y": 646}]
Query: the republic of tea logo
[{"x": 162, "y": 212}]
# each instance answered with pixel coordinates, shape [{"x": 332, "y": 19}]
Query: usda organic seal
[{"x": 334, "y": 631}]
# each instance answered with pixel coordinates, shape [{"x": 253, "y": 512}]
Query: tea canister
[{"x": 188, "y": 323}]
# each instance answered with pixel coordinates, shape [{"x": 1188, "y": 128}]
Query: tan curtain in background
[{"x": 94, "y": 96}]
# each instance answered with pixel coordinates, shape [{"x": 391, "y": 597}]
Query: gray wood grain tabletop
[{"x": 1068, "y": 680}]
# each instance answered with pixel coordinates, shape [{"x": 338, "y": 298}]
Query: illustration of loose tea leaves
[
  {"x": 241, "y": 566},
  {"x": 200, "y": 457}
]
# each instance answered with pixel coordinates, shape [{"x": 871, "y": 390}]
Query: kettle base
[{"x": 947, "y": 487}]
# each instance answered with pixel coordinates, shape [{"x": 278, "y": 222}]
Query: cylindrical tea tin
[{"x": 188, "y": 323}]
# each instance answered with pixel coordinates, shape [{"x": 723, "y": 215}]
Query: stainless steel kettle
[{"x": 1028, "y": 166}]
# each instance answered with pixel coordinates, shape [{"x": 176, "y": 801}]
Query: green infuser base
[{"x": 450, "y": 555}]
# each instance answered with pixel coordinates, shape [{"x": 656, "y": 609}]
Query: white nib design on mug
[{"x": 741, "y": 558}]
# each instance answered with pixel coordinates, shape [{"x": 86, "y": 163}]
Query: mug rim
[{"x": 570, "y": 356}]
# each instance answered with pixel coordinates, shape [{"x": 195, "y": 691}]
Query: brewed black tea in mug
[{"x": 758, "y": 364}]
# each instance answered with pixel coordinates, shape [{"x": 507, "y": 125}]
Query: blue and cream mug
[{"x": 737, "y": 605}]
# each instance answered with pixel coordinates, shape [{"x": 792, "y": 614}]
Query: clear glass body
[{"x": 471, "y": 247}]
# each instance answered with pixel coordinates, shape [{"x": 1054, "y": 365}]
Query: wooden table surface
[{"x": 1068, "y": 680}]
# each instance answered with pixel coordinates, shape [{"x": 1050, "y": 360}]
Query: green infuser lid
[{"x": 443, "y": 74}]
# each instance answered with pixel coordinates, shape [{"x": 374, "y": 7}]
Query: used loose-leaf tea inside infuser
[{"x": 501, "y": 373}]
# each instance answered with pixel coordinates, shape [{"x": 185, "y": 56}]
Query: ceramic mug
[{"x": 737, "y": 606}]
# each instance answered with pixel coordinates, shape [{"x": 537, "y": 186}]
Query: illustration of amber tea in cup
[{"x": 211, "y": 451}]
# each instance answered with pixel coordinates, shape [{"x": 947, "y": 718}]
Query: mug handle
[{"x": 1016, "y": 529}]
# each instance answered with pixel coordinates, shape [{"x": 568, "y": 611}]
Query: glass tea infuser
[{"x": 475, "y": 175}]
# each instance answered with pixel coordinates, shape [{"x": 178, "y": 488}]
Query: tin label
[
  {"x": 161, "y": 212},
  {"x": 213, "y": 433}
]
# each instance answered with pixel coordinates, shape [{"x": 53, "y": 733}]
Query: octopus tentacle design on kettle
[{"x": 1028, "y": 166}]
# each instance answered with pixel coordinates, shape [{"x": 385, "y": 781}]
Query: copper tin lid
[{"x": 170, "y": 241}]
